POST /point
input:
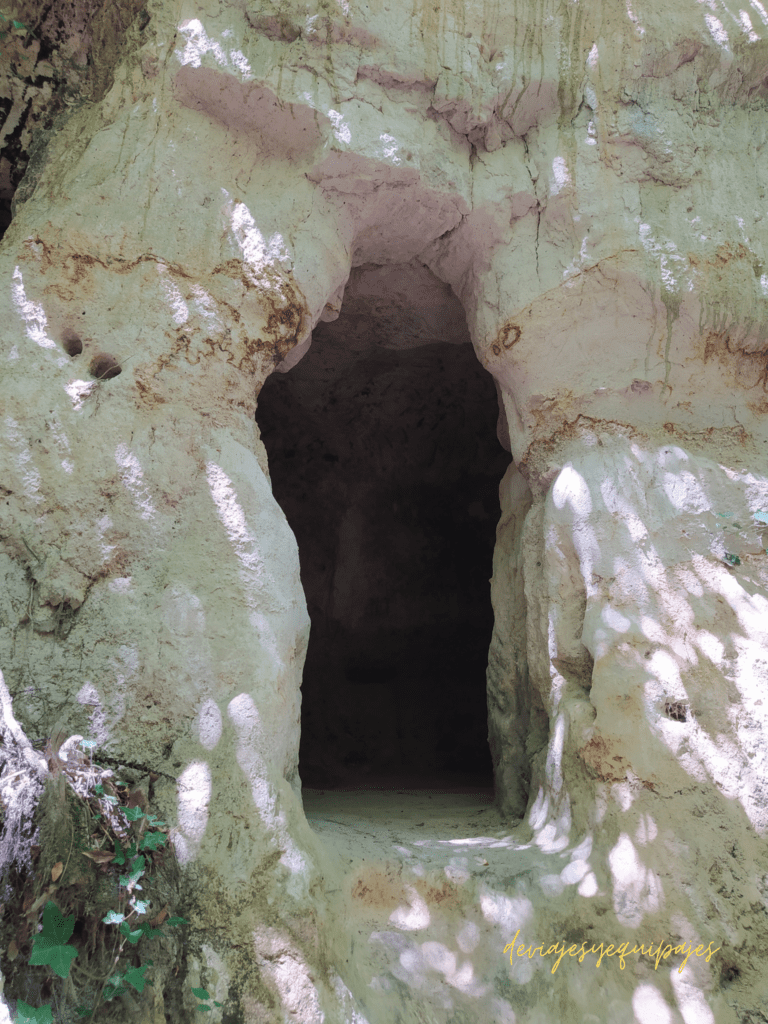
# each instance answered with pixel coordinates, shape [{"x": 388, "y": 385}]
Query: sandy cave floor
[{"x": 431, "y": 825}]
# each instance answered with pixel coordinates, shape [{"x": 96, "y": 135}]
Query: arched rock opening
[{"x": 384, "y": 457}]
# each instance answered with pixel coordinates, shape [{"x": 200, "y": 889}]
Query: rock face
[{"x": 584, "y": 184}]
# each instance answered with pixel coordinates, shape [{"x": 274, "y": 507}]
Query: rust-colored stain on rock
[
  {"x": 386, "y": 890},
  {"x": 505, "y": 341}
]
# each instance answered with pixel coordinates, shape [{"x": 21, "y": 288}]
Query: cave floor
[
  {"x": 431, "y": 825},
  {"x": 423, "y": 889}
]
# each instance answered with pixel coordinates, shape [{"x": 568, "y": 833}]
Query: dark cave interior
[{"x": 387, "y": 466}]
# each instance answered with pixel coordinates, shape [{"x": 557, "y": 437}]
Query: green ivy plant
[
  {"x": 10, "y": 24},
  {"x": 30, "y": 1015},
  {"x": 733, "y": 530},
  {"x": 761, "y": 517},
  {"x": 203, "y": 994},
  {"x": 51, "y": 947}
]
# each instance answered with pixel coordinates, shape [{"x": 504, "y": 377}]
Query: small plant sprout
[
  {"x": 32, "y": 1015},
  {"x": 761, "y": 517},
  {"x": 10, "y": 24},
  {"x": 204, "y": 994},
  {"x": 88, "y": 746}
]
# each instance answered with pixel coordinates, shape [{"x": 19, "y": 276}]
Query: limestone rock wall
[{"x": 590, "y": 181}]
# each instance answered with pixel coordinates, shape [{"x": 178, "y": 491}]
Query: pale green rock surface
[{"x": 589, "y": 178}]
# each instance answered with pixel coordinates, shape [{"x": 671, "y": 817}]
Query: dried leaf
[
  {"x": 157, "y": 921},
  {"x": 40, "y": 901},
  {"x": 137, "y": 798},
  {"x": 99, "y": 856},
  {"x": 13, "y": 950},
  {"x": 56, "y": 870}
]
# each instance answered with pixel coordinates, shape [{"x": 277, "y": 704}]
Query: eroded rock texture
[{"x": 586, "y": 183}]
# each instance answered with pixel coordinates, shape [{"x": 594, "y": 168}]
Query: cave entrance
[{"x": 384, "y": 457}]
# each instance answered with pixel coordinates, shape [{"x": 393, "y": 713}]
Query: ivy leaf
[
  {"x": 30, "y": 1015},
  {"x": 114, "y": 987},
  {"x": 135, "y": 871},
  {"x": 55, "y": 925},
  {"x": 132, "y": 936},
  {"x": 119, "y": 853},
  {"x": 761, "y": 517},
  {"x": 135, "y": 977},
  {"x": 174, "y": 922},
  {"x": 153, "y": 821},
  {"x": 133, "y": 813},
  {"x": 113, "y": 918},
  {"x": 152, "y": 841},
  {"x": 84, "y": 1011},
  {"x": 49, "y": 948},
  {"x": 59, "y": 958},
  {"x": 732, "y": 559},
  {"x": 201, "y": 993},
  {"x": 140, "y": 906}
]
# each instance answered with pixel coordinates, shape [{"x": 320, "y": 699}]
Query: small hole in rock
[
  {"x": 729, "y": 973},
  {"x": 71, "y": 342},
  {"x": 104, "y": 366},
  {"x": 677, "y": 711}
]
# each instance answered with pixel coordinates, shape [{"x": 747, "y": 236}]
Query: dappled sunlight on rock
[
  {"x": 538, "y": 227},
  {"x": 246, "y": 720},
  {"x": 133, "y": 479},
  {"x": 650, "y": 1006},
  {"x": 646, "y": 830},
  {"x": 637, "y": 891},
  {"x": 505, "y": 912},
  {"x": 193, "y": 811},
  {"x": 694, "y": 1008},
  {"x": 209, "y": 724},
  {"x": 412, "y": 917},
  {"x": 31, "y": 313}
]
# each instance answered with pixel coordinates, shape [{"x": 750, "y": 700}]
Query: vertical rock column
[
  {"x": 150, "y": 583},
  {"x": 635, "y": 416},
  {"x": 613, "y": 272}
]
